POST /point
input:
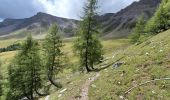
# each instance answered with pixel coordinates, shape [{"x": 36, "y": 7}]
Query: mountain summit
[{"x": 37, "y": 24}]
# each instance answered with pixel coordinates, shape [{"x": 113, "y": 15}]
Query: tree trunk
[
  {"x": 51, "y": 71},
  {"x": 87, "y": 68},
  {"x": 50, "y": 78},
  {"x": 27, "y": 96},
  {"x": 87, "y": 44},
  {"x": 92, "y": 67},
  {"x": 40, "y": 94},
  {"x": 53, "y": 83},
  {"x": 32, "y": 97}
]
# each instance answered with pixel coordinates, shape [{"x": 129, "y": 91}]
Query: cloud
[
  {"x": 61, "y": 8},
  {"x": 19, "y": 8},
  {"x": 113, "y": 6},
  {"x": 1, "y": 20}
]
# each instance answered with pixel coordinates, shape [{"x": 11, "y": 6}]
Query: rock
[
  {"x": 94, "y": 86},
  {"x": 68, "y": 78},
  {"x": 78, "y": 97},
  {"x": 153, "y": 92},
  {"x": 137, "y": 70},
  {"x": 63, "y": 90},
  {"x": 25, "y": 98},
  {"x": 121, "y": 97},
  {"x": 59, "y": 95},
  {"x": 117, "y": 64},
  {"x": 47, "y": 97},
  {"x": 122, "y": 75},
  {"x": 153, "y": 47},
  {"x": 77, "y": 73},
  {"x": 71, "y": 83}
]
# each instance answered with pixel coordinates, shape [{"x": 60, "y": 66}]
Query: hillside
[
  {"x": 121, "y": 23},
  {"x": 88, "y": 66},
  {"x": 146, "y": 68},
  {"x": 146, "y": 65},
  {"x": 37, "y": 25},
  {"x": 141, "y": 63}
]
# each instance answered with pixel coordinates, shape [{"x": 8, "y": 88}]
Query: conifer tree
[
  {"x": 0, "y": 82},
  {"x": 54, "y": 56},
  {"x": 25, "y": 72},
  {"x": 161, "y": 19},
  {"x": 138, "y": 30},
  {"x": 87, "y": 45}
]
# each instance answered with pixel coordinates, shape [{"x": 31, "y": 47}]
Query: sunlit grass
[
  {"x": 71, "y": 81},
  {"x": 5, "y": 43},
  {"x": 144, "y": 62}
]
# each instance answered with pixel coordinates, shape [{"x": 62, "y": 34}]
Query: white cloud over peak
[{"x": 61, "y": 8}]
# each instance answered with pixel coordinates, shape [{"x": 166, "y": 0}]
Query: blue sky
[{"x": 61, "y": 8}]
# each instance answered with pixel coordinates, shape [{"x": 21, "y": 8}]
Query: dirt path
[{"x": 85, "y": 87}]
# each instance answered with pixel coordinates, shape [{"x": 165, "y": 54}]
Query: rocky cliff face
[{"x": 121, "y": 23}]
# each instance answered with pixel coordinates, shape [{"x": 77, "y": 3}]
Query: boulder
[{"x": 117, "y": 64}]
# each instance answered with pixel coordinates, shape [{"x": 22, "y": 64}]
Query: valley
[{"x": 123, "y": 55}]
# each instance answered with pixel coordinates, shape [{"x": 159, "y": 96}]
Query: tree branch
[{"x": 132, "y": 88}]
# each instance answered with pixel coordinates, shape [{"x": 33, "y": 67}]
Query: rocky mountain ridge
[{"x": 115, "y": 25}]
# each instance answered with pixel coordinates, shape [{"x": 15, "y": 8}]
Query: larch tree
[
  {"x": 53, "y": 54},
  {"x": 87, "y": 45},
  {"x": 1, "y": 91},
  {"x": 25, "y": 72},
  {"x": 138, "y": 30},
  {"x": 161, "y": 19}
]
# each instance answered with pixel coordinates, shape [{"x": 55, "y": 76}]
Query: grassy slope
[
  {"x": 71, "y": 81},
  {"x": 22, "y": 33},
  {"x": 147, "y": 61},
  {"x": 143, "y": 62}
]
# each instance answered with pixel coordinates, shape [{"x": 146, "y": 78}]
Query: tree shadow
[{"x": 106, "y": 66}]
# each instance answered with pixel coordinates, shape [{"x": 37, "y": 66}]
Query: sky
[{"x": 62, "y": 8}]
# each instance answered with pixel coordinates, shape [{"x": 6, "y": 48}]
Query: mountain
[
  {"x": 37, "y": 25},
  {"x": 114, "y": 25},
  {"x": 120, "y": 24}
]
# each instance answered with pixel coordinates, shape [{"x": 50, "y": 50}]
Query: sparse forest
[{"x": 110, "y": 56}]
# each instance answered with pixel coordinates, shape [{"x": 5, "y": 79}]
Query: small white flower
[
  {"x": 153, "y": 92},
  {"x": 113, "y": 56},
  {"x": 147, "y": 53},
  {"x": 160, "y": 50}
]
